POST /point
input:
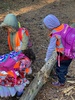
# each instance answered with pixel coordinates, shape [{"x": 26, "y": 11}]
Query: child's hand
[
  {"x": 46, "y": 60},
  {"x": 17, "y": 49}
]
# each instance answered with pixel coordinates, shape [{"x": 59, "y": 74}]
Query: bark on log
[{"x": 39, "y": 80}]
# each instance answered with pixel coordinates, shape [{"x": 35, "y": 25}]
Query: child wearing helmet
[
  {"x": 18, "y": 37},
  {"x": 57, "y": 37}
]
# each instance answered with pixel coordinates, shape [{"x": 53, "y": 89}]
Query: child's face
[{"x": 49, "y": 31}]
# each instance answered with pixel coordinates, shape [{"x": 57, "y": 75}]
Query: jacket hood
[
  {"x": 10, "y": 20},
  {"x": 51, "y": 21}
]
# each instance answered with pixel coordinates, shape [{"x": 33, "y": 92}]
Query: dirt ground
[{"x": 31, "y": 13}]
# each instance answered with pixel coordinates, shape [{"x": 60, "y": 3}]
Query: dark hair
[{"x": 30, "y": 54}]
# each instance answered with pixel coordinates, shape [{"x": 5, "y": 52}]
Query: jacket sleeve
[
  {"x": 51, "y": 48},
  {"x": 24, "y": 42}
]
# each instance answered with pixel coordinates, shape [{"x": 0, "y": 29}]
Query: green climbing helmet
[{"x": 11, "y": 21}]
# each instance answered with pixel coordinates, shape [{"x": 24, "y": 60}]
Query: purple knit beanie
[{"x": 51, "y": 21}]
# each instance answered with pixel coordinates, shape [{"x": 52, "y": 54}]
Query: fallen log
[{"x": 40, "y": 79}]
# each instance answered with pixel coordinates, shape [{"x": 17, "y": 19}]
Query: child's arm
[
  {"x": 24, "y": 42},
  {"x": 51, "y": 48}
]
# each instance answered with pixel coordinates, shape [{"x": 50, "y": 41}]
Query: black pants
[{"x": 62, "y": 70}]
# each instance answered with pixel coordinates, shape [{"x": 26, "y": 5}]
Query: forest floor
[{"x": 31, "y": 13}]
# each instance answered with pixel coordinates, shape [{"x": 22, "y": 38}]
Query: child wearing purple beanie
[{"x": 64, "y": 58}]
